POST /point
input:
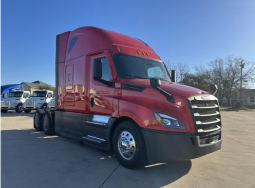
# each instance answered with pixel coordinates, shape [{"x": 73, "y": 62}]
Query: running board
[{"x": 94, "y": 139}]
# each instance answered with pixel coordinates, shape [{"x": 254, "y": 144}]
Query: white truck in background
[
  {"x": 51, "y": 103},
  {"x": 39, "y": 99},
  {"x": 14, "y": 101}
]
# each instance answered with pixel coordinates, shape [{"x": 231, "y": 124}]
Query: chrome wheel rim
[
  {"x": 46, "y": 123},
  {"x": 126, "y": 145}
]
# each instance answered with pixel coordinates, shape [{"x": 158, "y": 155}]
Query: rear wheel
[
  {"x": 48, "y": 125},
  {"x": 44, "y": 106},
  {"x": 19, "y": 108},
  {"x": 128, "y": 145},
  {"x": 4, "y": 111},
  {"x": 27, "y": 111},
  {"x": 38, "y": 121}
]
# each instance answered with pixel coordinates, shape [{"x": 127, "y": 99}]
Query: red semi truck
[{"x": 127, "y": 101}]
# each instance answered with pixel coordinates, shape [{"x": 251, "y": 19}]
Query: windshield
[
  {"x": 39, "y": 94},
  {"x": 15, "y": 94},
  {"x": 137, "y": 67}
]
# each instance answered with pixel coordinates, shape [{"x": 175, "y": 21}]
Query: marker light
[
  {"x": 168, "y": 121},
  {"x": 138, "y": 52}
]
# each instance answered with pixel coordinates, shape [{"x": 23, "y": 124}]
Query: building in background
[
  {"x": 248, "y": 97},
  {"x": 32, "y": 86},
  {"x": 26, "y": 86}
]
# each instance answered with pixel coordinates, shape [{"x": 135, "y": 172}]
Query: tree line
[{"x": 224, "y": 72}]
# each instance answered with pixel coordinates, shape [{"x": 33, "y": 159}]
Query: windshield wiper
[{"x": 135, "y": 76}]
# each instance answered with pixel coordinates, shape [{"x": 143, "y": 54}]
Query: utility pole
[{"x": 241, "y": 83}]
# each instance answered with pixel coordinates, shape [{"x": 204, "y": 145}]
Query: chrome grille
[
  {"x": 5, "y": 104},
  {"x": 206, "y": 113},
  {"x": 30, "y": 104}
]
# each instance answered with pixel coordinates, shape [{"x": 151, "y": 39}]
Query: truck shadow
[
  {"x": 13, "y": 113},
  {"x": 38, "y": 153}
]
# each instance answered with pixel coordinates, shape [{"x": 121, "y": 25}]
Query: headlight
[{"x": 169, "y": 121}]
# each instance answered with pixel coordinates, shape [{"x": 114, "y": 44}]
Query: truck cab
[
  {"x": 113, "y": 92},
  {"x": 39, "y": 99},
  {"x": 14, "y": 101},
  {"x": 51, "y": 104}
]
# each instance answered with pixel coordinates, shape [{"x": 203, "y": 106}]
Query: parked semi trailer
[
  {"x": 14, "y": 101},
  {"x": 39, "y": 99},
  {"x": 5, "y": 89},
  {"x": 127, "y": 102}
]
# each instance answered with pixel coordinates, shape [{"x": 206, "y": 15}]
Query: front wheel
[
  {"x": 4, "y": 111},
  {"x": 128, "y": 145},
  {"x": 19, "y": 108},
  {"x": 44, "y": 106}
]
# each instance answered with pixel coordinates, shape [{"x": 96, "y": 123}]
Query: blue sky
[{"x": 192, "y": 32}]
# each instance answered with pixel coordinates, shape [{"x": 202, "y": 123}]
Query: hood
[
  {"x": 170, "y": 87},
  {"x": 12, "y": 99},
  {"x": 36, "y": 99}
]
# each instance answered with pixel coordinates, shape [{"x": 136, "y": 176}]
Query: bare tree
[
  {"x": 226, "y": 74},
  {"x": 46, "y": 87},
  {"x": 197, "y": 81},
  {"x": 181, "y": 70}
]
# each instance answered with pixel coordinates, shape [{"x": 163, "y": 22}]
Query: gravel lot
[{"x": 32, "y": 160}]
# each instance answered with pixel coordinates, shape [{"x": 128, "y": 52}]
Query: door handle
[{"x": 92, "y": 102}]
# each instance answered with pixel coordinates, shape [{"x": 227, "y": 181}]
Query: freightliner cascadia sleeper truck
[{"x": 114, "y": 93}]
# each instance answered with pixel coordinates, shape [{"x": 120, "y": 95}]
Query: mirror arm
[
  {"x": 155, "y": 83},
  {"x": 108, "y": 83},
  {"x": 168, "y": 96}
]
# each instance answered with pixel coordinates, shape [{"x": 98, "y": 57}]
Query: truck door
[
  {"x": 100, "y": 98},
  {"x": 100, "y": 95},
  {"x": 69, "y": 87}
]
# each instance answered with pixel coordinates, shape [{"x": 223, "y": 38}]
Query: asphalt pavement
[{"x": 30, "y": 159}]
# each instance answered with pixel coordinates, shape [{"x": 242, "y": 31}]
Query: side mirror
[
  {"x": 97, "y": 69},
  {"x": 155, "y": 82},
  {"x": 173, "y": 75},
  {"x": 213, "y": 88}
]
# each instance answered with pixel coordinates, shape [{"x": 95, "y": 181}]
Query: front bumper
[
  {"x": 166, "y": 146},
  {"x": 30, "y": 108}
]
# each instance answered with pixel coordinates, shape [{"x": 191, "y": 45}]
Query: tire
[
  {"x": 4, "y": 111},
  {"x": 18, "y": 108},
  {"x": 48, "y": 127},
  {"x": 128, "y": 138},
  {"x": 44, "y": 106},
  {"x": 27, "y": 111},
  {"x": 38, "y": 121}
]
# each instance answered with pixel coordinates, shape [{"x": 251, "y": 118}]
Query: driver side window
[
  {"x": 25, "y": 95},
  {"x": 106, "y": 71},
  {"x": 49, "y": 95}
]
